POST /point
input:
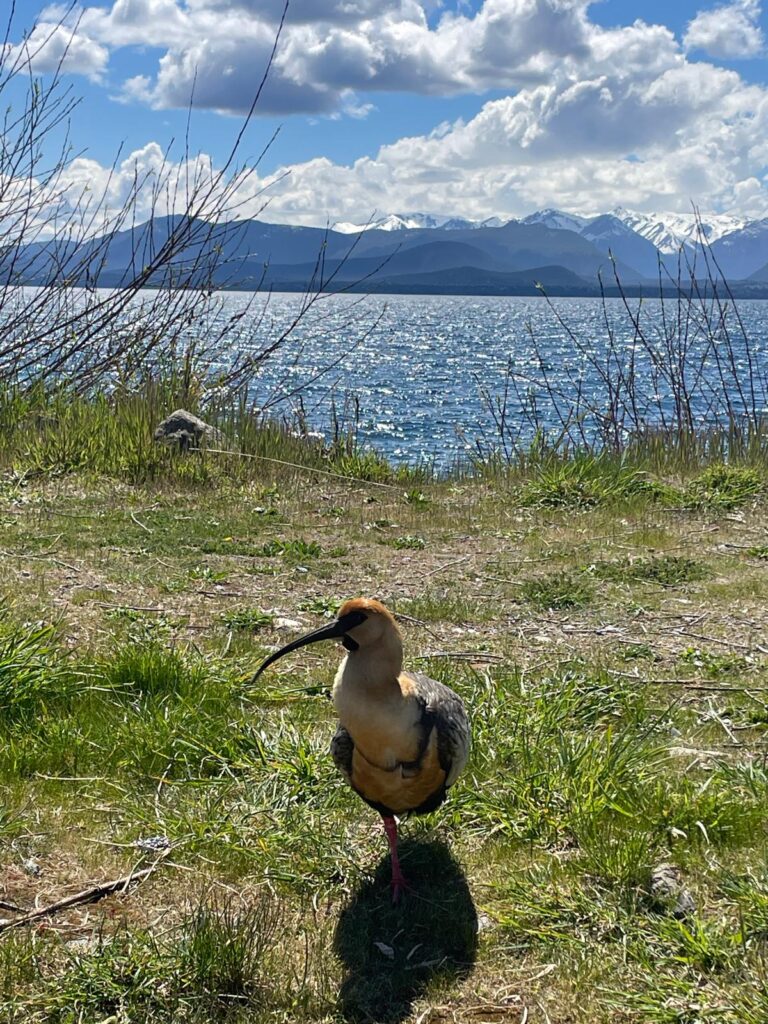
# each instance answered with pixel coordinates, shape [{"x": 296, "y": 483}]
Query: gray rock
[
  {"x": 152, "y": 844},
  {"x": 285, "y": 623},
  {"x": 668, "y": 891},
  {"x": 186, "y": 430}
]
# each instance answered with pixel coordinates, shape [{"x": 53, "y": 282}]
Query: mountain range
[{"x": 419, "y": 252}]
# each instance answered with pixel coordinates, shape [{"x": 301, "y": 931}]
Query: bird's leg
[{"x": 399, "y": 884}]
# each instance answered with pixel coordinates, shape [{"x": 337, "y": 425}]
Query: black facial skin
[{"x": 333, "y": 631}]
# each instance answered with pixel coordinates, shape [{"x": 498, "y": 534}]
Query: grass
[
  {"x": 604, "y": 626},
  {"x": 247, "y": 619},
  {"x": 725, "y": 487},
  {"x": 666, "y": 570},
  {"x": 409, "y": 543},
  {"x": 557, "y": 591}
]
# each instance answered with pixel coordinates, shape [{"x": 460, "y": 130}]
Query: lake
[{"x": 418, "y": 365}]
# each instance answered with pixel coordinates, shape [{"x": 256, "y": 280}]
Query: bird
[{"x": 402, "y": 738}]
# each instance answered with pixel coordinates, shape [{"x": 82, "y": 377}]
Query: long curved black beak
[{"x": 332, "y": 631}]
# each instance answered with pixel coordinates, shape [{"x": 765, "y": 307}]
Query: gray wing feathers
[
  {"x": 445, "y": 709},
  {"x": 342, "y": 747}
]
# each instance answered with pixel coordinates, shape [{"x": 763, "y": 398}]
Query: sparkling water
[{"x": 421, "y": 365}]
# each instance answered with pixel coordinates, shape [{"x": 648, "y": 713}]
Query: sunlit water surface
[
  {"x": 418, "y": 376},
  {"x": 419, "y": 365}
]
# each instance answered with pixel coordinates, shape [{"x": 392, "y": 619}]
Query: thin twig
[
  {"x": 713, "y": 640},
  {"x": 139, "y": 523},
  {"x": 402, "y": 617},
  {"x": 5, "y": 905},
  {"x": 446, "y": 565},
  {"x": 136, "y": 608},
  {"x": 690, "y": 684},
  {"x": 39, "y": 558},
  {"x": 298, "y": 465},
  {"x": 461, "y": 656},
  {"x": 91, "y": 895}
]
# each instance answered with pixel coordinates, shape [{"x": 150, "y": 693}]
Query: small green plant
[
  {"x": 636, "y": 652},
  {"x": 416, "y": 498},
  {"x": 33, "y": 674},
  {"x": 151, "y": 670},
  {"x": 363, "y": 465},
  {"x": 325, "y": 606},
  {"x": 560, "y": 590},
  {"x": 223, "y": 949},
  {"x": 666, "y": 570},
  {"x": 408, "y": 542},
  {"x": 583, "y": 481},
  {"x": 702, "y": 945},
  {"x": 9, "y": 822},
  {"x": 724, "y": 487},
  {"x": 247, "y": 620},
  {"x": 615, "y": 852},
  {"x": 442, "y": 606},
  {"x": 292, "y": 550},
  {"x": 205, "y": 574},
  {"x": 380, "y": 524},
  {"x": 265, "y": 513},
  {"x": 141, "y": 628},
  {"x": 716, "y": 666}
]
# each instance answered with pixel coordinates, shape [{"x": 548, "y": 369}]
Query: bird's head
[{"x": 361, "y": 623}]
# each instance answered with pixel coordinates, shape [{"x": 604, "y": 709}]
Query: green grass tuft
[
  {"x": 586, "y": 481},
  {"x": 666, "y": 570},
  {"x": 292, "y": 550},
  {"x": 325, "y": 606},
  {"x": 33, "y": 674},
  {"x": 223, "y": 947},
  {"x": 558, "y": 591},
  {"x": 151, "y": 670},
  {"x": 724, "y": 487},
  {"x": 408, "y": 542},
  {"x": 247, "y": 619}
]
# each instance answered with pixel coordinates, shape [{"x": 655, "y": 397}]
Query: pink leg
[{"x": 399, "y": 884}]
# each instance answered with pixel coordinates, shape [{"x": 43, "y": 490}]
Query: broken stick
[{"x": 96, "y": 892}]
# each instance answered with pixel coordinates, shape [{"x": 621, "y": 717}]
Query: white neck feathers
[{"x": 374, "y": 667}]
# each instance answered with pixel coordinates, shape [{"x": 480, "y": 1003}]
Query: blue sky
[{"x": 476, "y": 107}]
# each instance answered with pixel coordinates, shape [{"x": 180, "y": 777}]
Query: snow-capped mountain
[
  {"x": 611, "y": 235},
  {"x": 403, "y": 221},
  {"x": 670, "y": 231},
  {"x": 558, "y": 220},
  {"x": 443, "y": 255},
  {"x": 741, "y": 253},
  {"x": 636, "y": 240},
  {"x": 416, "y": 221},
  {"x": 667, "y": 231}
]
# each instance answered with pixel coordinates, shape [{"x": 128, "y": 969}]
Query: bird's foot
[{"x": 399, "y": 887}]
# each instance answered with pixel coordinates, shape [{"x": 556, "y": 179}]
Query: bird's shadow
[{"x": 392, "y": 953}]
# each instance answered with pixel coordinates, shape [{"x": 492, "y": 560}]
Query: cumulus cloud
[
  {"x": 330, "y": 48},
  {"x": 594, "y": 116},
  {"x": 691, "y": 131},
  {"x": 697, "y": 132},
  {"x": 53, "y": 46},
  {"x": 729, "y": 31}
]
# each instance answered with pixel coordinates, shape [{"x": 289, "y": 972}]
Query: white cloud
[
  {"x": 52, "y": 46},
  {"x": 595, "y": 117},
  {"x": 729, "y": 31},
  {"x": 330, "y": 48},
  {"x": 693, "y": 131}
]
